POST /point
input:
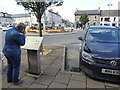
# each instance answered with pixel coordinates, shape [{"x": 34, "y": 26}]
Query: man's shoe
[
  {"x": 19, "y": 82},
  {"x": 9, "y": 81}
]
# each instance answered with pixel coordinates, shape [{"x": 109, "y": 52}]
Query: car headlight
[{"x": 87, "y": 56}]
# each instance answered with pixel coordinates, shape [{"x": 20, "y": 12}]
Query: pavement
[
  {"x": 53, "y": 76},
  {"x": 72, "y": 61}
]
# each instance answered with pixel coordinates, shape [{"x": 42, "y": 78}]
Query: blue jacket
[{"x": 13, "y": 41}]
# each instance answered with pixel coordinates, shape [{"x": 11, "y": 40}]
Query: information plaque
[
  {"x": 32, "y": 43},
  {"x": 32, "y": 46}
]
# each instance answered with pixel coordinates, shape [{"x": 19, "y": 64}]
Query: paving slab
[
  {"x": 72, "y": 58},
  {"x": 95, "y": 89},
  {"x": 77, "y": 84},
  {"x": 16, "y": 86},
  {"x": 44, "y": 79},
  {"x": 37, "y": 85},
  {"x": 91, "y": 83},
  {"x": 57, "y": 85},
  {"x": 64, "y": 79},
  {"x": 79, "y": 76},
  {"x": 57, "y": 64},
  {"x": 51, "y": 71},
  {"x": 22, "y": 73},
  {"x": 50, "y": 59},
  {"x": 27, "y": 81},
  {"x": 5, "y": 84},
  {"x": 44, "y": 67},
  {"x": 112, "y": 85},
  {"x": 111, "y": 88}
]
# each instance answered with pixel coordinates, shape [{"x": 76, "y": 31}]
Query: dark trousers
[{"x": 13, "y": 68}]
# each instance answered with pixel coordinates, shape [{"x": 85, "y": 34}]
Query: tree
[
  {"x": 38, "y": 7},
  {"x": 84, "y": 19}
]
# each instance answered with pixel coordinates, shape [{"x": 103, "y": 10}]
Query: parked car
[
  {"x": 3, "y": 28},
  {"x": 100, "y": 53},
  {"x": 70, "y": 29}
]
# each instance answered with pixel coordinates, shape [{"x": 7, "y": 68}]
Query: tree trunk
[
  {"x": 40, "y": 34},
  {"x": 40, "y": 30}
]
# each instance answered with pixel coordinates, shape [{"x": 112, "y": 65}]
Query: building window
[
  {"x": 101, "y": 19},
  {"x": 113, "y": 24},
  {"x": 101, "y": 24},
  {"x": 95, "y": 18},
  {"x": 114, "y": 19},
  {"x": 119, "y": 25},
  {"x": 89, "y": 18},
  {"x": 94, "y": 24},
  {"x": 88, "y": 24},
  {"x": 107, "y": 19},
  {"x": 106, "y": 24}
]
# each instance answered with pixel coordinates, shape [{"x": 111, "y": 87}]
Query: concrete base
[{"x": 34, "y": 62}]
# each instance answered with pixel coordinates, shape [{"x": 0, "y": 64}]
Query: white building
[
  {"x": 5, "y": 19},
  {"x": 109, "y": 18},
  {"x": 99, "y": 17},
  {"x": 25, "y": 18},
  {"x": 93, "y": 16},
  {"x": 51, "y": 19}
]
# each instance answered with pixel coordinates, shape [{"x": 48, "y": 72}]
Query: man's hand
[
  {"x": 24, "y": 33},
  {"x": 1, "y": 54}
]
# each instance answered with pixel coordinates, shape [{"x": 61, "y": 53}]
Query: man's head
[{"x": 21, "y": 27}]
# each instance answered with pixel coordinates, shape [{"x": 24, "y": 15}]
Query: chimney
[
  {"x": 99, "y": 8},
  {"x": 76, "y": 9}
]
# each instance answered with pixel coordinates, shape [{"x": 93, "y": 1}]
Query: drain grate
[{"x": 75, "y": 69}]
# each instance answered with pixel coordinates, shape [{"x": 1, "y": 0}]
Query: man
[{"x": 14, "y": 38}]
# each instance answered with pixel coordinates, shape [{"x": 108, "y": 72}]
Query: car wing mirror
[{"x": 80, "y": 38}]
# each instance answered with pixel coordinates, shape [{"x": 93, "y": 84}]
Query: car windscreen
[{"x": 103, "y": 35}]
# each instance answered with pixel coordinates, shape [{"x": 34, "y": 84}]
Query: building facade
[
  {"x": 110, "y": 18},
  {"x": 50, "y": 19},
  {"x": 5, "y": 19},
  {"x": 93, "y": 16},
  {"x": 25, "y": 18},
  {"x": 98, "y": 17}
]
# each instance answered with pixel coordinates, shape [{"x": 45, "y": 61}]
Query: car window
[{"x": 103, "y": 35}]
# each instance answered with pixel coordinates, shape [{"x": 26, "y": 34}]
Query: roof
[
  {"x": 99, "y": 12},
  {"x": 6, "y": 15},
  {"x": 108, "y": 27},
  {"x": 20, "y": 15},
  {"x": 89, "y": 12},
  {"x": 109, "y": 12},
  {"x": 54, "y": 12}
]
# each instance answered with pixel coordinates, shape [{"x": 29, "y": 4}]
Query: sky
[{"x": 67, "y": 10}]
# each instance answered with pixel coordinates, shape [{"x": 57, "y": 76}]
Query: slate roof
[
  {"x": 111, "y": 12},
  {"x": 89, "y": 12},
  {"x": 99, "y": 12},
  {"x": 20, "y": 15}
]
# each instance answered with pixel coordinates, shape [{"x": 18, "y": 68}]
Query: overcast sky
[{"x": 67, "y": 10}]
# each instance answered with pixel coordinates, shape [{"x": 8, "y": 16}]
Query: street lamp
[{"x": 109, "y": 5}]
